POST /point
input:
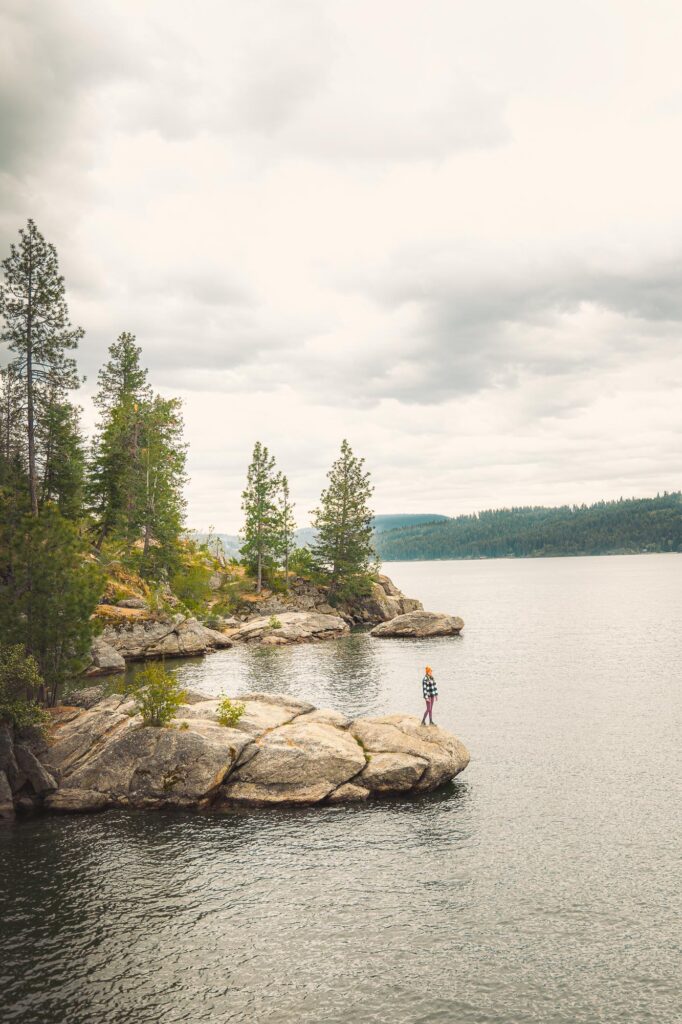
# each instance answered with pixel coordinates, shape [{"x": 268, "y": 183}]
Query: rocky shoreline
[
  {"x": 282, "y": 751},
  {"x": 132, "y": 632}
]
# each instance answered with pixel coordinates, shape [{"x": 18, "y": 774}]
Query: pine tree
[
  {"x": 158, "y": 483},
  {"x": 38, "y": 330},
  {"x": 114, "y": 463},
  {"x": 48, "y": 589},
  {"x": 63, "y": 472},
  {"x": 285, "y": 524},
  {"x": 260, "y": 530},
  {"x": 343, "y": 549}
]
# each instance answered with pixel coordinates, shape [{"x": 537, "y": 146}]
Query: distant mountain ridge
[
  {"x": 607, "y": 527},
  {"x": 305, "y": 535}
]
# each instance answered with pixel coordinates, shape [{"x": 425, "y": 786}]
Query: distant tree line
[{"x": 607, "y": 527}]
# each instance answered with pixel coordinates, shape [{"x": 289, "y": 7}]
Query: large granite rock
[
  {"x": 179, "y": 637},
  {"x": 385, "y": 602},
  {"x": 106, "y": 660},
  {"x": 420, "y": 624},
  {"x": 282, "y": 751},
  {"x": 301, "y": 762},
  {"x": 24, "y": 779},
  {"x": 291, "y": 628},
  {"x": 443, "y": 755},
  {"x": 33, "y": 772}
]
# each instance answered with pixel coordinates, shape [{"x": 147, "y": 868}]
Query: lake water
[{"x": 541, "y": 888}]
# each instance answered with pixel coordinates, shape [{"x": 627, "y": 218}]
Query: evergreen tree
[
  {"x": 48, "y": 589},
  {"x": 63, "y": 470},
  {"x": 122, "y": 378},
  {"x": 343, "y": 549},
  {"x": 260, "y": 530},
  {"x": 158, "y": 483},
  {"x": 38, "y": 330},
  {"x": 285, "y": 524},
  {"x": 114, "y": 464}
]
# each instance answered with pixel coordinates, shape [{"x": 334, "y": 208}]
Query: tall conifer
[
  {"x": 38, "y": 330},
  {"x": 260, "y": 530},
  {"x": 343, "y": 549},
  {"x": 285, "y": 524}
]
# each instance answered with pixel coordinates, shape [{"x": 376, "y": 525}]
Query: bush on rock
[
  {"x": 157, "y": 695},
  {"x": 230, "y": 711}
]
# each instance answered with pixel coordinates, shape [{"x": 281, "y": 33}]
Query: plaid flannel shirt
[{"x": 429, "y": 688}]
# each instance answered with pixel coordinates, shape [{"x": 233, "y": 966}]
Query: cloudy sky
[{"x": 451, "y": 232}]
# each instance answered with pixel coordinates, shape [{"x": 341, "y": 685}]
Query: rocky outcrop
[
  {"x": 106, "y": 660},
  {"x": 133, "y": 633},
  {"x": 420, "y": 624},
  {"x": 291, "y": 628},
  {"x": 177, "y": 637},
  {"x": 24, "y": 779},
  {"x": 282, "y": 751},
  {"x": 383, "y": 602}
]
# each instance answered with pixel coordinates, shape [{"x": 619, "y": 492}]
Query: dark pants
[{"x": 429, "y": 710}]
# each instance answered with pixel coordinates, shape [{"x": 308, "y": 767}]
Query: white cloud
[{"x": 450, "y": 232}]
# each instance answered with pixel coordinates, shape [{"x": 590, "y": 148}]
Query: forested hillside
[{"x": 608, "y": 527}]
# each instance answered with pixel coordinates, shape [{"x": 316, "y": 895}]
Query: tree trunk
[{"x": 260, "y": 573}]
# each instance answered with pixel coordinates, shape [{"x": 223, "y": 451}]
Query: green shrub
[
  {"x": 20, "y": 683},
  {"x": 230, "y": 711},
  {"x": 157, "y": 695},
  {"x": 302, "y": 563},
  {"x": 274, "y": 622},
  {"x": 191, "y": 584}
]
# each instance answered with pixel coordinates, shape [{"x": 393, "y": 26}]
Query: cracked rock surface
[{"x": 282, "y": 751}]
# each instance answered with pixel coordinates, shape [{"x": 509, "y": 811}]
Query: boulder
[
  {"x": 293, "y": 628},
  {"x": 302, "y": 762},
  {"x": 143, "y": 766},
  {"x": 133, "y": 602},
  {"x": 444, "y": 755},
  {"x": 392, "y": 772},
  {"x": 384, "y": 602},
  {"x": 178, "y": 637},
  {"x": 33, "y": 772},
  {"x": 420, "y": 624},
  {"x": 106, "y": 660}
]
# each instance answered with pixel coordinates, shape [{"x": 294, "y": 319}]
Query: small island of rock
[{"x": 282, "y": 751}]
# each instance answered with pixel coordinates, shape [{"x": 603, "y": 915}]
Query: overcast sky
[{"x": 449, "y": 231}]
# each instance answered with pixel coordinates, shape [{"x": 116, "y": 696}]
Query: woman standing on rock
[{"x": 430, "y": 691}]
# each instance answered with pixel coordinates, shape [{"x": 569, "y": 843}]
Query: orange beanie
[{"x": 428, "y": 670}]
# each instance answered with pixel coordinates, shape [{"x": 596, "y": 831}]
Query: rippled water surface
[{"x": 542, "y": 887}]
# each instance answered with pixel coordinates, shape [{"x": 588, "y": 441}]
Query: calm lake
[{"x": 541, "y": 888}]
